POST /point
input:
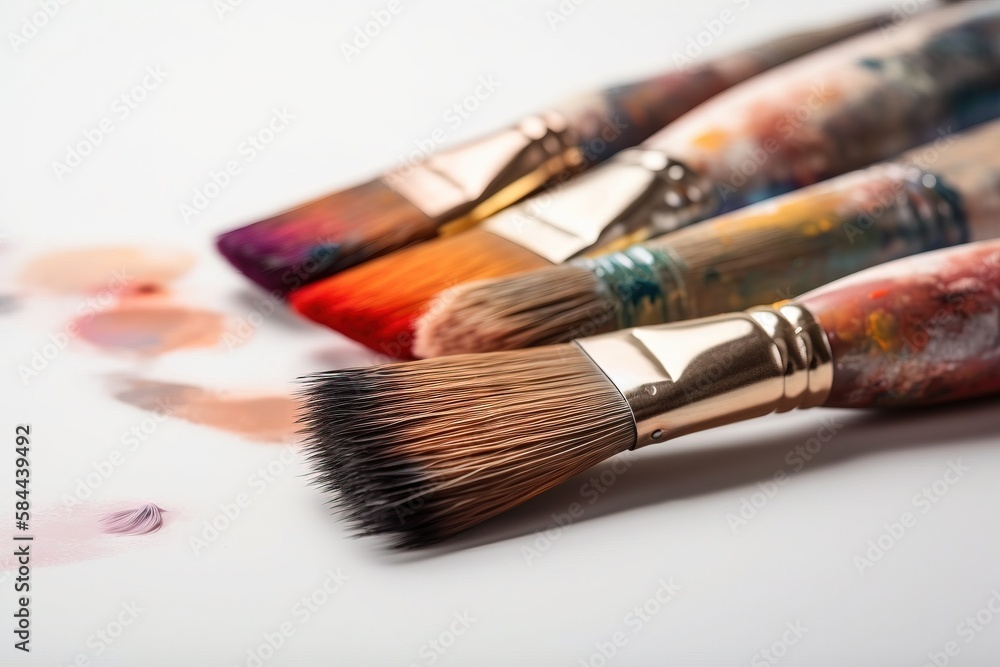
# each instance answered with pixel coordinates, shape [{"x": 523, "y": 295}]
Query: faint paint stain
[
  {"x": 151, "y": 329},
  {"x": 106, "y": 268},
  {"x": 270, "y": 418},
  {"x": 67, "y": 535}
]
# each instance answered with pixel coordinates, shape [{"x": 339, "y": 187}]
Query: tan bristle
[
  {"x": 420, "y": 451},
  {"x": 543, "y": 307},
  {"x": 378, "y": 302}
]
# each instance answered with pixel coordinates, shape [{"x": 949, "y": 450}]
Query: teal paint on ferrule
[{"x": 643, "y": 283}]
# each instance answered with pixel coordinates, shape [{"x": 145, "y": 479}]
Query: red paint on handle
[{"x": 918, "y": 330}]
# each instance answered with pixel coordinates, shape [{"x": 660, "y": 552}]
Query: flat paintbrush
[
  {"x": 823, "y": 115},
  {"x": 938, "y": 195},
  {"x": 454, "y": 188},
  {"x": 419, "y": 451}
]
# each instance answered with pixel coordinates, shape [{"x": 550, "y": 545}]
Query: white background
[{"x": 667, "y": 517}]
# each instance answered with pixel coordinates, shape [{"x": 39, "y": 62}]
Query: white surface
[{"x": 666, "y": 517}]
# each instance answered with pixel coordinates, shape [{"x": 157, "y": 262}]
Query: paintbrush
[
  {"x": 451, "y": 189},
  {"x": 825, "y": 114},
  {"x": 419, "y": 451},
  {"x": 941, "y": 194}
]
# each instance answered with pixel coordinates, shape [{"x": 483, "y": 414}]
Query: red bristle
[{"x": 378, "y": 303}]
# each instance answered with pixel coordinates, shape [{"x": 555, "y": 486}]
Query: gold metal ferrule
[
  {"x": 470, "y": 182},
  {"x": 637, "y": 191},
  {"x": 688, "y": 376}
]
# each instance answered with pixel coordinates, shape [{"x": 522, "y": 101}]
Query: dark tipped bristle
[
  {"x": 325, "y": 236},
  {"x": 377, "y": 304},
  {"x": 423, "y": 450},
  {"x": 543, "y": 307}
]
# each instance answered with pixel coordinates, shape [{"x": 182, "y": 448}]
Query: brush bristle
[
  {"x": 543, "y": 307},
  {"x": 325, "y": 236},
  {"x": 377, "y": 304},
  {"x": 420, "y": 451}
]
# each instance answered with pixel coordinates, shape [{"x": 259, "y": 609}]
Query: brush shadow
[{"x": 675, "y": 475}]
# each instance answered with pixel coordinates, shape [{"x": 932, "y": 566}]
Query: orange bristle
[{"x": 378, "y": 303}]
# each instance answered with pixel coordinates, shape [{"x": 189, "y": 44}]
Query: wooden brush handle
[
  {"x": 942, "y": 194},
  {"x": 625, "y": 115},
  {"x": 848, "y": 106},
  {"x": 939, "y": 195},
  {"x": 923, "y": 329}
]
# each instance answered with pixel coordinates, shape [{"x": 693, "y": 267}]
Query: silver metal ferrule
[
  {"x": 477, "y": 179},
  {"x": 688, "y": 376},
  {"x": 639, "y": 192}
]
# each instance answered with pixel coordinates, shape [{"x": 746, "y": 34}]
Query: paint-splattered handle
[
  {"x": 622, "y": 116},
  {"x": 853, "y": 104},
  {"x": 923, "y": 329}
]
